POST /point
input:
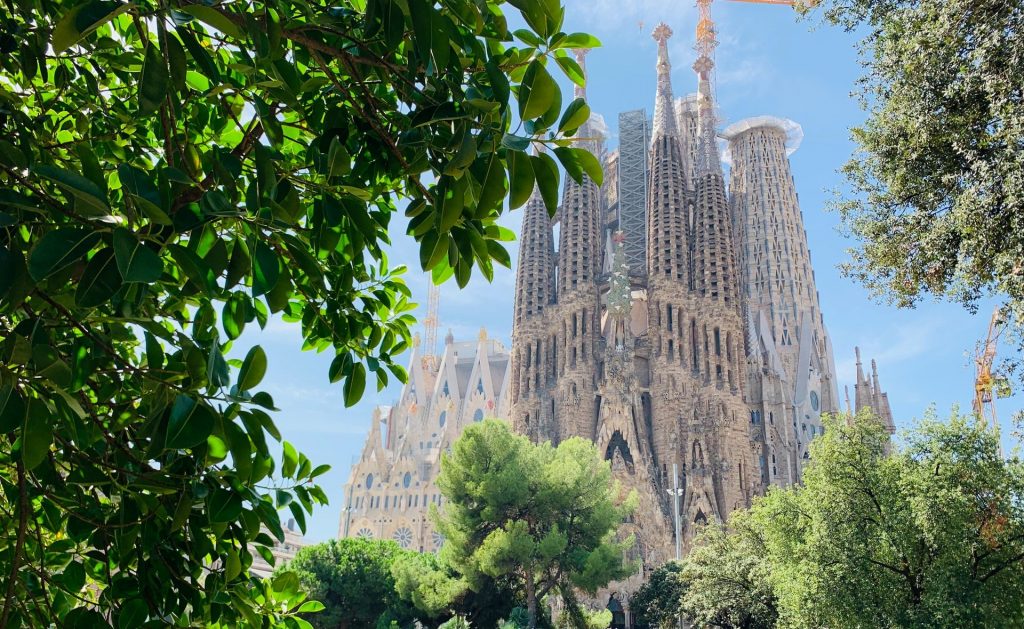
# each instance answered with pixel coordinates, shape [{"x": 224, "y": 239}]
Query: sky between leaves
[{"x": 768, "y": 63}]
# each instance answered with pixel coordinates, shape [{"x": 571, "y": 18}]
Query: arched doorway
[{"x": 618, "y": 613}]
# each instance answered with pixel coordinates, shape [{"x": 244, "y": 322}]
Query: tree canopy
[
  {"x": 936, "y": 185},
  {"x": 931, "y": 535},
  {"x": 542, "y": 515},
  {"x": 658, "y": 602},
  {"x": 353, "y": 580},
  {"x": 174, "y": 172}
]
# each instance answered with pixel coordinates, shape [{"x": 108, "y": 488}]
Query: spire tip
[{"x": 662, "y": 33}]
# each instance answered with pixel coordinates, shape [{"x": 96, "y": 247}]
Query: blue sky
[{"x": 768, "y": 63}]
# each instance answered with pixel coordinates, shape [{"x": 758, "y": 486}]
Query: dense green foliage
[
  {"x": 173, "y": 172},
  {"x": 929, "y": 536},
  {"x": 352, "y": 578},
  {"x": 541, "y": 515},
  {"x": 937, "y": 196},
  {"x": 658, "y": 602},
  {"x": 726, "y": 578}
]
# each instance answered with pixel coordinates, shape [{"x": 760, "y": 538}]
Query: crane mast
[
  {"x": 430, "y": 323},
  {"x": 987, "y": 385}
]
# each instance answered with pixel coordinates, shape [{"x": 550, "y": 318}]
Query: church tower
[
  {"x": 717, "y": 447},
  {"x": 778, "y": 288},
  {"x": 575, "y": 318},
  {"x": 668, "y": 267},
  {"x": 534, "y": 352},
  {"x": 677, "y": 325}
]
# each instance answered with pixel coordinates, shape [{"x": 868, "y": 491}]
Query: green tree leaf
[
  {"x": 355, "y": 384},
  {"x": 135, "y": 261},
  {"x": 521, "y": 178},
  {"x": 223, "y": 505},
  {"x": 576, "y": 114},
  {"x": 134, "y": 613},
  {"x": 100, "y": 280},
  {"x": 58, "y": 250},
  {"x": 580, "y": 40},
  {"x": 82, "y": 20},
  {"x": 266, "y": 269},
  {"x": 37, "y": 435},
  {"x": 537, "y": 92},
  {"x": 90, "y": 198},
  {"x": 254, "y": 367},
  {"x": 290, "y": 460},
  {"x": 213, "y": 16},
  {"x": 546, "y": 174},
  {"x": 154, "y": 81},
  {"x": 189, "y": 424}
]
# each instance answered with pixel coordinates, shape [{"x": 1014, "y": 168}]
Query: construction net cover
[{"x": 794, "y": 133}]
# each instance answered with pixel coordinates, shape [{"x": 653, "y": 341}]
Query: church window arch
[
  {"x": 442, "y": 418},
  {"x": 407, "y": 480},
  {"x": 697, "y": 454},
  {"x": 478, "y": 415},
  {"x": 403, "y": 536},
  {"x": 369, "y": 481}
]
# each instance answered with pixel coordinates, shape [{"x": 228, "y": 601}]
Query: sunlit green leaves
[
  {"x": 154, "y": 81},
  {"x": 189, "y": 423},
  {"x": 59, "y": 249},
  {"x": 577, "y": 113},
  {"x": 537, "y": 92},
  {"x": 254, "y": 367},
  {"x": 135, "y": 261},
  {"x": 83, "y": 20},
  {"x": 173, "y": 176},
  {"x": 521, "y": 178},
  {"x": 219, "y": 20}
]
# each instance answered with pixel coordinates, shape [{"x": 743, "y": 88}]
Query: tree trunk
[{"x": 531, "y": 600}]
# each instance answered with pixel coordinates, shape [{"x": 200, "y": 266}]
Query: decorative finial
[
  {"x": 662, "y": 33},
  {"x": 580, "y": 91},
  {"x": 416, "y": 339},
  {"x": 449, "y": 338},
  {"x": 702, "y": 66},
  {"x": 483, "y": 333},
  {"x": 618, "y": 237},
  {"x": 664, "y": 109}
]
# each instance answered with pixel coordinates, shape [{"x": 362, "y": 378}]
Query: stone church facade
[
  {"x": 393, "y": 483},
  {"x": 677, "y": 323},
  {"x": 674, "y": 321}
]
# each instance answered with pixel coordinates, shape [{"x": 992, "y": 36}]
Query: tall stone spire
[
  {"x": 576, "y": 319},
  {"x": 708, "y": 160},
  {"x": 536, "y": 268},
  {"x": 715, "y": 263},
  {"x": 580, "y": 91},
  {"x": 664, "y": 107},
  {"x": 531, "y": 362},
  {"x": 667, "y": 242},
  {"x": 580, "y": 238}
]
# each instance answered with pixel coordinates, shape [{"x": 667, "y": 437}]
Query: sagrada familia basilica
[{"x": 676, "y": 324}]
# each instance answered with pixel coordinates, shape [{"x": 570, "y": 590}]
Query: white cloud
[
  {"x": 892, "y": 347},
  {"x": 632, "y": 17}
]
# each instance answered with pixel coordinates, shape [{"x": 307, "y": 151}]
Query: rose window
[
  {"x": 404, "y": 537},
  {"x": 365, "y": 533}
]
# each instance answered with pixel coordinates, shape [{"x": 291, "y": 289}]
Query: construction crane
[
  {"x": 430, "y": 323},
  {"x": 987, "y": 385},
  {"x": 706, "y": 41}
]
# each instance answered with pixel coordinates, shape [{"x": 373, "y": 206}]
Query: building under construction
[{"x": 677, "y": 323}]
